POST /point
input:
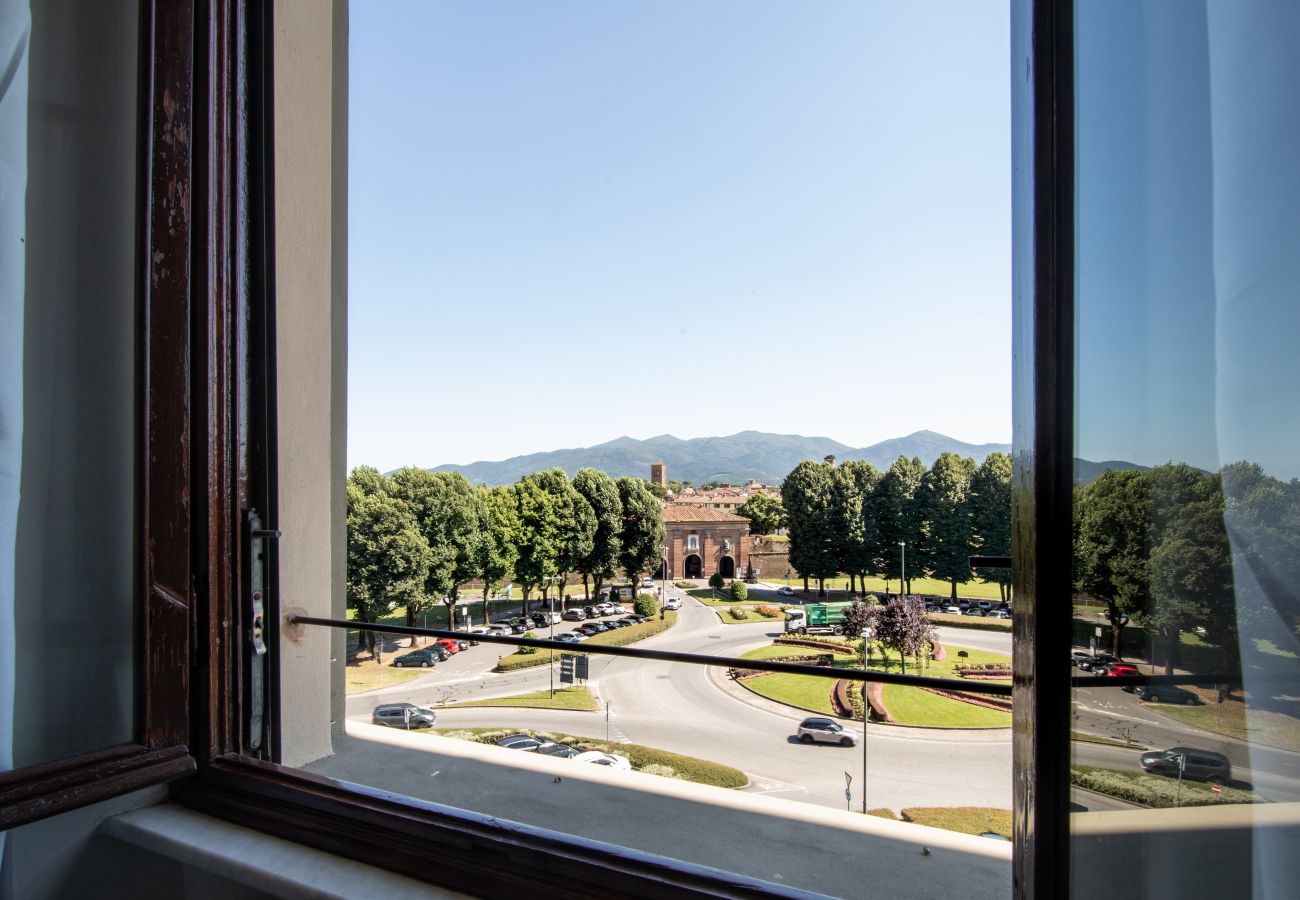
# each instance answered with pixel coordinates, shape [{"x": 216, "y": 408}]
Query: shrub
[
  {"x": 684, "y": 585},
  {"x": 1153, "y": 790},
  {"x": 768, "y": 612},
  {"x": 716, "y": 581},
  {"x": 525, "y": 651},
  {"x": 739, "y": 591},
  {"x": 646, "y": 605},
  {"x": 738, "y": 613}
]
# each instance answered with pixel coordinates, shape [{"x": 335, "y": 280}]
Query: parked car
[
  {"x": 568, "y": 637},
  {"x": 475, "y": 629},
  {"x": 633, "y": 619},
  {"x": 538, "y": 620},
  {"x": 985, "y": 605},
  {"x": 1166, "y": 693},
  {"x": 648, "y": 583},
  {"x": 591, "y": 612},
  {"x": 999, "y": 614},
  {"x": 451, "y": 645},
  {"x": 425, "y": 657},
  {"x": 817, "y": 730},
  {"x": 976, "y": 611},
  {"x": 785, "y": 590},
  {"x": 403, "y": 715},
  {"x": 616, "y": 623},
  {"x": 673, "y": 603},
  {"x": 577, "y": 636},
  {"x": 587, "y": 629},
  {"x": 500, "y": 629},
  {"x": 964, "y": 605},
  {"x": 1202, "y": 765},
  {"x": 1114, "y": 670},
  {"x": 562, "y": 751},
  {"x": 952, "y": 609},
  {"x": 613, "y": 760},
  {"x": 605, "y": 609},
  {"x": 598, "y": 627},
  {"x": 574, "y": 615},
  {"x": 1098, "y": 660},
  {"x": 525, "y": 742}
]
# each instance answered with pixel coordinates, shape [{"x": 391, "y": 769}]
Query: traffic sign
[
  {"x": 581, "y": 667},
  {"x": 566, "y": 668}
]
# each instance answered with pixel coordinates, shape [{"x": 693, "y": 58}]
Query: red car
[
  {"x": 1116, "y": 669},
  {"x": 452, "y": 646}
]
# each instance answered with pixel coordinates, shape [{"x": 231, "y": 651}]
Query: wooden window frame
[{"x": 207, "y": 456}]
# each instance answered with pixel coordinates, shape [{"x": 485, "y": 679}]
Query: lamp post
[
  {"x": 550, "y": 621},
  {"x": 902, "y": 574},
  {"x": 866, "y": 641},
  {"x": 663, "y": 585}
]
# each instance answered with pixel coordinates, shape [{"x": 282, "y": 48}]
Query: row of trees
[
  {"x": 852, "y": 518},
  {"x": 1155, "y": 547},
  {"x": 415, "y": 537}
]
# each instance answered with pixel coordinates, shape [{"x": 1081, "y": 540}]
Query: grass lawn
[
  {"x": 705, "y": 596},
  {"x": 803, "y": 691},
  {"x": 1239, "y": 719},
  {"x": 966, "y": 819},
  {"x": 908, "y": 705},
  {"x": 565, "y": 698},
  {"x": 974, "y": 590},
  {"x": 364, "y": 675}
]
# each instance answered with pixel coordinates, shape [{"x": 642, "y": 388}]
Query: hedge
[
  {"x": 1153, "y": 790},
  {"x": 616, "y": 638},
  {"x": 645, "y": 759}
]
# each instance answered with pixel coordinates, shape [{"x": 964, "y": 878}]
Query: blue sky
[{"x": 575, "y": 220}]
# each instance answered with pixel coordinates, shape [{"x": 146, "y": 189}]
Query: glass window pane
[{"x": 1187, "y": 506}]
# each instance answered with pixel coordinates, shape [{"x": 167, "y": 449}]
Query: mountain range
[{"x": 735, "y": 459}]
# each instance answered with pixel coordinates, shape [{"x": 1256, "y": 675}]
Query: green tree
[
  {"x": 717, "y": 582},
  {"x": 642, "y": 537},
  {"x": 892, "y": 514},
  {"x": 806, "y": 495},
  {"x": 852, "y": 484},
  {"x": 574, "y": 525},
  {"x": 1191, "y": 564},
  {"x": 738, "y": 590},
  {"x": 499, "y": 549},
  {"x": 538, "y": 538},
  {"x": 451, "y": 516},
  {"x": 1262, "y": 515},
  {"x": 944, "y": 498},
  {"x": 601, "y": 494},
  {"x": 388, "y": 557},
  {"x": 1113, "y": 545},
  {"x": 765, "y": 513},
  {"x": 990, "y": 503}
]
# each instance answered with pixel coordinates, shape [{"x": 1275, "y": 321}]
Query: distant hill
[
  {"x": 736, "y": 458},
  {"x": 767, "y": 458}
]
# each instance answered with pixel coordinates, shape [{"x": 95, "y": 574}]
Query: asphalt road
[{"x": 691, "y": 710}]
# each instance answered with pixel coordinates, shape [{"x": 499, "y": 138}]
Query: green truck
[{"x": 816, "y": 618}]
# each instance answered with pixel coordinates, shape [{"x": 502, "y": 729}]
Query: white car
[
  {"x": 612, "y": 760},
  {"x": 499, "y": 629},
  {"x": 647, "y": 583},
  {"x": 785, "y": 590},
  {"x": 673, "y": 603},
  {"x": 952, "y": 609}
]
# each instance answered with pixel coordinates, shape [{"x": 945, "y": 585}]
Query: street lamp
[
  {"x": 866, "y": 641},
  {"x": 550, "y": 620},
  {"x": 663, "y": 585},
  {"x": 902, "y": 574}
]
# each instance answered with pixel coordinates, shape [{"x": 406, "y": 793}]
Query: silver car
[{"x": 825, "y": 731}]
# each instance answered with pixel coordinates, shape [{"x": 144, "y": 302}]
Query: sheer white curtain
[{"x": 15, "y": 27}]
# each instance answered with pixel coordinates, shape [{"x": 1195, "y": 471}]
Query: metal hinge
[{"x": 257, "y": 568}]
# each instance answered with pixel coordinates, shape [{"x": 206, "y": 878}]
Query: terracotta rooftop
[{"x": 683, "y": 512}]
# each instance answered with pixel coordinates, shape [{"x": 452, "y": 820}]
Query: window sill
[{"x": 255, "y": 860}]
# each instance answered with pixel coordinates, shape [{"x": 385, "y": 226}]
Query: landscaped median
[
  {"x": 618, "y": 637},
  {"x": 565, "y": 698},
  {"x": 650, "y": 760},
  {"x": 906, "y": 705},
  {"x": 966, "y": 819},
  {"x": 1157, "y": 791}
]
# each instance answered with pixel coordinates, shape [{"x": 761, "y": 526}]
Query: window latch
[{"x": 257, "y": 574}]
